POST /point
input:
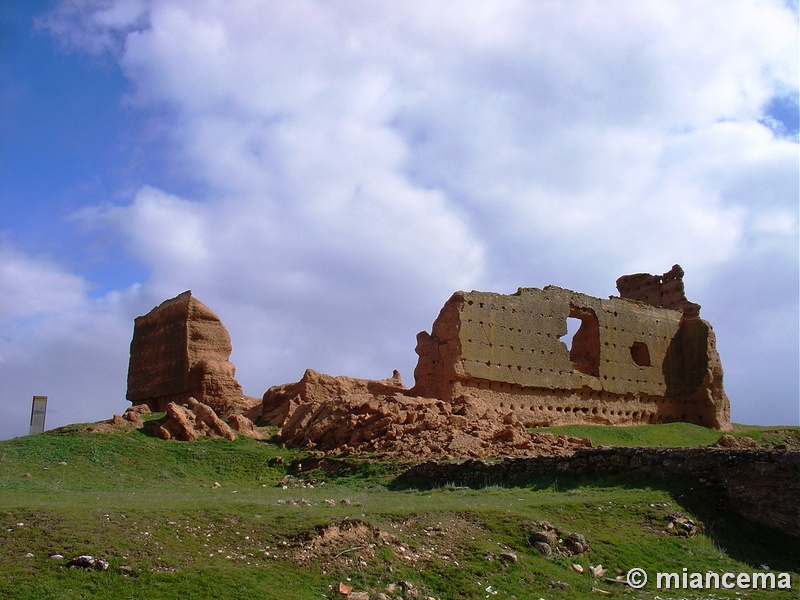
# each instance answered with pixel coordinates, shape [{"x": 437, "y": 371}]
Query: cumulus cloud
[
  {"x": 57, "y": 341},
  {"x": 343, "y": 167}
]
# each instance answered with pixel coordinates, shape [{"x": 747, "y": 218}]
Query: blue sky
[{"x": 325, "y": 175}]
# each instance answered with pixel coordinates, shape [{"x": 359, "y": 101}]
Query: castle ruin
[
  {"x": 181, "y": 350},
  {"x": 644, "y": 357},
  {"x": 493, "y": 366}
]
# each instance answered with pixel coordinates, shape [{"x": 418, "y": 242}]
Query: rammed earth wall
[
  {"x": 629, "y": 362},
  {"x": 762, "y": 485}
]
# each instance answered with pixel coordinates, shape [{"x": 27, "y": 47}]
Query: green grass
[
  {"x": 673, "y": 434},
  {"x": 152, "y": 509}
]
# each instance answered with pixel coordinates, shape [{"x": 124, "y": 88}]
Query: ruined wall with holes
[{"x": 628, "y": 363}]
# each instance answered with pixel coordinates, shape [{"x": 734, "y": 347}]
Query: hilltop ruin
[
  {"x": 644, "y": 357},
  {"x": 493, "y": 366}
]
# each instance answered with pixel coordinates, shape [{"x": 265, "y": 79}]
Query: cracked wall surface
[
  {"x": 629, "y": 362},
  {"x": 181, "y": 349}
]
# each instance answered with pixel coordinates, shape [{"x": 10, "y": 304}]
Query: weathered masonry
[
  {"x": 180, "y": 350},
  {"x": 646, "y": 357}
]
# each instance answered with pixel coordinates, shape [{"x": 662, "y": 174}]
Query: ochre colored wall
[{"x": 630, "y": 362}]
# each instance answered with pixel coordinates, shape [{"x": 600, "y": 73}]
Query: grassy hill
[{"x": 248, "y": 519}]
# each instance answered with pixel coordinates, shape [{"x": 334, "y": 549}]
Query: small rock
[
  {"x": 576, "y": 543},
  {"x": 548, "y": 537},
  {"x": 344, "y": 590},
  {"x": 577, "y": 568},
  {"x": 87, "y": 562},
  {"x": 358, "y": 596},
  {"x": 57, "y": 556},
  {"x": 509, "y": 556},
  {"x": 559, "y": 585},
  {"x": 597, "y": 571},
  {"x": 28, "y": 555},
  {"x": 216, "y": 485},
  {"x": 544, "y": 548}
]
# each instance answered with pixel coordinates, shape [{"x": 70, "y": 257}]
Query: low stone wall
[{"x": 763, "y": 485}]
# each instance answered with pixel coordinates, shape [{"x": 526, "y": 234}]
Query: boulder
[
  {"x": 245, "y": 426},
  {"x": 188, "y": 423}
]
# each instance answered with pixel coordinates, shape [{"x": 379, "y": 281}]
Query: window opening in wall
[
  {"x": 583, "y": 331},
  {"x": 640, "y": 354}
]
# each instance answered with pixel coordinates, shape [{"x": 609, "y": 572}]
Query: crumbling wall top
[{"x": 663, "y": 291}]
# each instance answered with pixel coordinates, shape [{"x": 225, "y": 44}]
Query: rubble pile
[{"x": 343, "y": 415}]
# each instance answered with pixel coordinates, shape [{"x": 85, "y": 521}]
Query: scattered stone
[
  {"x": 245, "y": 426},
  {"x": 738, "y": 443},
  {"x": 344, "y": 590},
  {"x": 509, "y": 557},
  {"x": 57, "y": 556},
  {"x": 577, "y": 568},
  {"x": 681, "y": 525},
  {"x": 28, "y": 555},
  {"x": 544, "y": 548},
  {"x": 188, "y": 423},
  {"x": 88, "y": 563},
  {"x": 358, "y": 596},
  {"x": 576, "y": 543},
  {"x": 548, "y": 537},
  {"x": 559, "y": 585},
  {"x": 597, "y": 571},
  {"x": 550, "y": 540}
]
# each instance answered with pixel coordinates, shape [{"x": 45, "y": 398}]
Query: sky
[{"x": 324, "y": 175}]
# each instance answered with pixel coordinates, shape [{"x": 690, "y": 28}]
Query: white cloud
[
  {"x": 57, "y": 341},
  {"x": 31, "y": 286},
  {"x": 350, "y": 164}
]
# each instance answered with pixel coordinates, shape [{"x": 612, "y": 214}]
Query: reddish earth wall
[
  {"x": 180, "y": 349},
  {"x": 629, "y": 362}
]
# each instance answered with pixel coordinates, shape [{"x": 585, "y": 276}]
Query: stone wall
[
  {"x": 180, "y": 349},
  {"x": 628, "y": 363},
  {"x": 762, "y": 485},
  {"x": 664, "y": 291}
]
